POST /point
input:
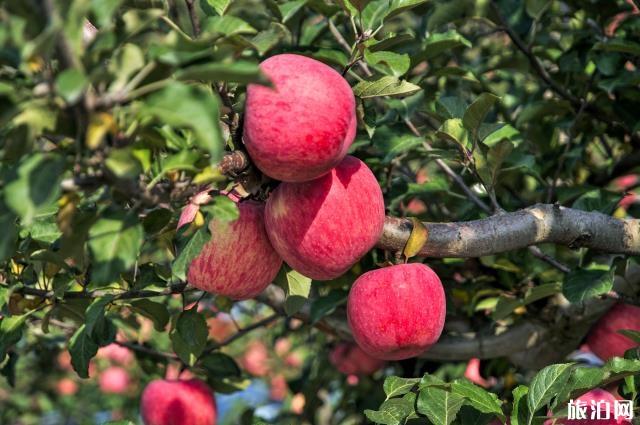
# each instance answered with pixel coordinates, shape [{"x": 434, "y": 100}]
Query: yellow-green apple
[
  {"x": 603, "y": 338},
  {"x": 397, "y": 312},
  {"x": 302, "y": 126},
  {"x": 349, "y": 359},
  {"x": 114, "y": 380},
  {"x": 324, "y": 226},
  {"x": 238, "y": 262},
  {"x": 168, "y": 402}
]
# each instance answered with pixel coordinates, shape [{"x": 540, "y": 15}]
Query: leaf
[
  {"x": 631, "y": 334},
  {"x": 384, "y": 86},
  {"x": 298, "y": 288},
  {"x": 115, "y": 242},
  {"x": 520, "y": 411},
  {"x": 583, "y": 284},
  {"x": 82, "y": 349},
  {"x": 536, "y": 8},
  {"x": 395, "y": 386},
  {"x": 155, "y": 311},
  {"x": 235, "y": 72},
  {"x": 223, "y": 209},
  {"x": 9, "y": 235},
  {"x": 189, "y": 252},
  {"x": 477, "y": 111},
  {"x": 437, "y": 43},
  {"x": 539, "y": 292},
  {"x": 619, "y": 45},
  {"x": 269, "y": 38},
  {"x": 393, "y": 411},
  {"x": 189, "y": 335},
  {"x": 393, "y": 63},
  {"x": 323, "y": 306},
  {"x": 439, "y": 405},
  {"x": 70, "y": 84},
  {"x": 417, "y": 239},
  {"x": 180, "y": 105},
  {"x": 35, "y": 186},
  {"x": 399, "y": 6},
  {"x": 451, "y": 107},
  {"x": 220, "y": 6},
  {"x": 94, "y": 315},
  {"x": 546, "y": 385},
  {"x": 228, "y": 25},
  {"x": 10, "y": 332},
  {"x": 220, "y": 365},
  {"x": 478, "y": 397},
  {"x": 454, "y": 131},
  {"x": 100, "y": 124},
  {"x": 290, "y": 8}
]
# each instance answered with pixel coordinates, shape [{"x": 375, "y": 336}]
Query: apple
[
  {"x": 594, "y": 396},
  {"x": 66, "y": 386},
  {"x": 323, "y": 227},
  {"x": 279, "y": 388},
  {"x": 625, "y": 182},
  {"x": 178, "y": 402},
  {"x": 238, "y": 262},
  {"x": 114, "y": 380},
  {"x": 221, "y": 327},
  {"x": 397, "y": 312},
  {"x": 603, "y": 338},
  {"x": 255, "y": 359},
  {"x": 297, "y": 403},
  {"x": 302, "y": 127},
  {"x": 349, "y": 359},
  {"x": 472, "y": 373},
  {"x": 115, "y": 353},
  {"x": 282, "y": 346}
]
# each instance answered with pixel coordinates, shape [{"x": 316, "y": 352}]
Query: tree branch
[{"x": 541, "y": 223}]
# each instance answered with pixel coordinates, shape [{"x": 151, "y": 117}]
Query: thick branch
[{"x": 541, "y": 223}]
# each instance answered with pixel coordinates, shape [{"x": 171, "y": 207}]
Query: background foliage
[{"x": 104, "y": 139}]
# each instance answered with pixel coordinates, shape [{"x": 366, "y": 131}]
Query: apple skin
[
  {"x": 114, "y": 380},
  {"x": 397, "y": 312},
  {"x": 169, "y": 402},
  {"x": 604, "y": 339},
  {"x": 323, "y": 227},
  {"x": 238, "y": 262},
  {"x": 301, "y": 128},
  {"x": 596, "y": 395},
  {"x": 349, "y": 359}
]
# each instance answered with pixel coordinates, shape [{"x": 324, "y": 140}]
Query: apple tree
[{"x": 319, "y": 211}]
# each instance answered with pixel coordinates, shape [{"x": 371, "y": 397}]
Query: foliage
[{"x": 106, "y": 136}]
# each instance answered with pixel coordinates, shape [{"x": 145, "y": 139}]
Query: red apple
[
  {"x": 349, "y": 359},
  {"x": 238, "y": 262},
  {"x": 282, "y": 346},
  {"x": 279, "y": 388},
  {"x": 67, "y": 386},
  {"x": 256, "y": 359},
  {"x": 397, "y": 312},
  {"x": 594, "y": 396},
  {"x": 303, "y": 126},
  {"x": 322, "y": 227},
  {"x": 625, "y": 182},
  {"x": 167, "y": 402},
  {"x": 472, "y": 373},
  {"x": 604, "y": 339},
  {"x": 115, "y": 353},
  {"x": 114, "y": 380},
  {"x": 221, "y": 327}
]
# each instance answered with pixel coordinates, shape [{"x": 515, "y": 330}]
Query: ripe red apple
[
  {"x": 625, "y": 182},
  {"x": 349, "y": 359},
  {"x": 279, "y": 388},
  {"x": 604, "y": 339},
  {"x": 324, "y": 226},
  {"x": 255, "y": 359},
  {"x": 221, "y": 327},
  {"x": 115, "y": 353},
  {"x": 166, "y": 402},
  {"x": 66, "y": 386},
  {"x": 397, "y": 312},
  {"x": 303, "y": 126},
  {"x": 114, "y": 380},
  {"x": 238, "y": 262},
  {"x": 472, "y": 373},
  {"x": 607, "y": 404}
]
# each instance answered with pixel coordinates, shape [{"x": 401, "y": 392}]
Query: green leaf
[
  {"x": 155, "y": 311},
  {"x": 589, "y": 282},
  {"x": 437, "y": 43},
  {"x": 115, "y": 242},
  {"x": 323, "y": 306},
  {"x": 439, "y": 405},
  {"x": 393, "y": 411},
  {"x": 384, "y": 86},
  {"x": 395, "y": 386},
  {"x": 223, "y": 209},
  {"x": 392, "y": 63},
  {"x": 269, "y": 38},
  {"x": 10, "y": 234},
  {"x": 123, "y": 164},
  {"x": 82, "y": 349},
  {"x": 536, "y": 8},
  {"x": 10, "y": 332},
  {"x": 220, "y": 6},
  {"x": 189, "y": 252},
  {"x": 70, "y": 84},
  {"x": 298, "y": 288},
  {"x": 454, "y": 131},
  {"x": 220, "y": 365},
  {"x": 228, "y": 25},
  {"x": 619, "y": 45},
  {"x": 399, "y": 6},
  {"x": 545, "y": 385},
  {"x": 451, "y": 107},
  {"x": 631, "y": 334},
  {"x": 520, "y": 411},
  {"x": 477, "y": 111},
  {"x": 180, "y": 105},
  {"x": 94, "y": 315},
  {"x": 189, "y": 335},
  {"x": 35, "y": 186},
  {"x": 478, "y": 397},
  {"x": 235, "y": 72},
  {"x": 290, "y": 8}
]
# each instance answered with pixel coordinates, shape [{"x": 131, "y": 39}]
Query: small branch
[
  {"x": 242, "y": 332},
  {"x": 342, "y": 42},
  {"x": 177, "y": 288},
  {"x": 147, "y": 350},
  {"x": 233, "y": 162},
  {"x": 193, "y": 15}
]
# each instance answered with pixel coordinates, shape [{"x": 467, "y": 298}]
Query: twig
[
  {"x": 193, "y": 15},
  {"x": 242, "y": 332}
]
